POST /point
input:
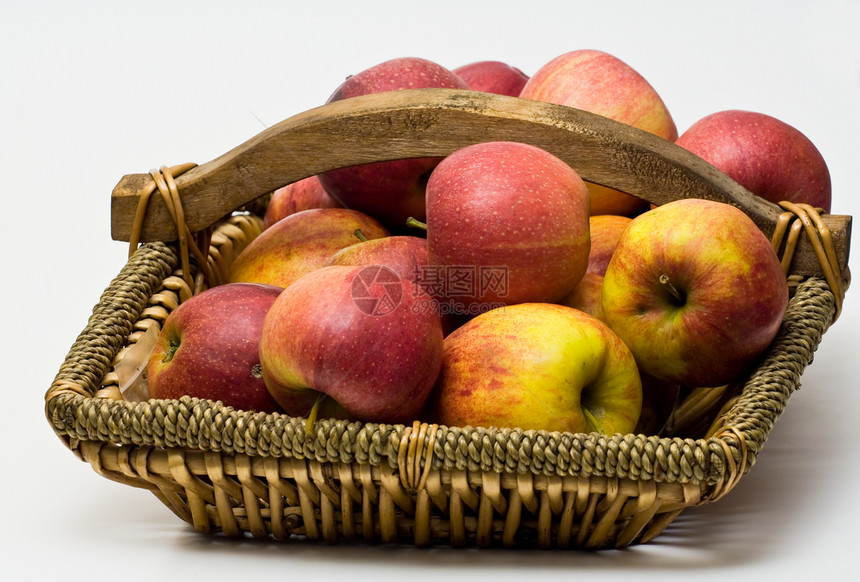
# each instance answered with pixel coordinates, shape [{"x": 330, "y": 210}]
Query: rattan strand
[
  {"x": 803, "y": 217},
  {"x": 190, "y": 244}
]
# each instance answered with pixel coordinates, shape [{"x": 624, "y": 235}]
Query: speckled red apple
[
  {"x": 208, "y": 348},
  {"x": 493, "y": 77},
  {"x": 513, "y": 208},
  {"x": 405, "y": 255},
  {"x": 302, "y": 195},
  {"x": 353, "y": 334},
  {"x": 391, "y": 191},
  {"x": 763, "y": 154}
]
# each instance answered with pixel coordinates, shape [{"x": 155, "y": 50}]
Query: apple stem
[
  {"x": 312, "y": 416},
  {"x": 591, "y": 420},
  {"x": 667, "y": 284},
  {"x": 360, "y": 235},
  {"x": 415, "y": 223}
]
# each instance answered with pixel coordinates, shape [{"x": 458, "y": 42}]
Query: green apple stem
[
  {"x": 312, "y": 416},
  {"x": 360, "y": 235},
  {"x": 592, "y": 421},
  {"x": 415, "y": 223},
  {"x": 667, "y": 284}
]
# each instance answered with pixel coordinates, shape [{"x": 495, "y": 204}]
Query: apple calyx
[
  {"x": 415, "y": 223},
  {"x": 678, "y": 298},
  {"x": 172, "y": 348}
]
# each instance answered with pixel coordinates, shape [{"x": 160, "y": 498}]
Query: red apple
[
  {"x": 389, "y": 191},
  {"x": 766, "y": 156},
  {"x": 601, "y": 83},
  {"x": 355, "y": 335},
  {"x": 299, "y": 244},
  {"x": 605, "y": 229},
  {"x": 509, "y": 223},
  {"x": 696, "y": 291},
  {"x": 537, "y": 366},
  {"x": 493, "y": 77},
  {"x": 302, "y": 195},
  {"x": 405, "y": 255},
  {"x": 208, "y": 348}
]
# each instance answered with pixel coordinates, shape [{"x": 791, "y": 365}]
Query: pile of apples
[{"x": 494, "y": 287}]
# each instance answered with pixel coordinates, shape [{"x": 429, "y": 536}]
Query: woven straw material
[{"x": 248, "y": 473}]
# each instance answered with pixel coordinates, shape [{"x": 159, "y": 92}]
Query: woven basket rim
[{"x": 715, "y": 463}]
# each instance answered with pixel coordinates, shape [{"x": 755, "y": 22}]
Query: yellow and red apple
[
  {"x": 696, "y": 291},
  {"x": 587, "y": 296},
  {"x": 405, "y": 255},
  {"x": 605, "y": 230},
  {"x": 537, "y": 366},
  {"x": 300, "y": 243}
]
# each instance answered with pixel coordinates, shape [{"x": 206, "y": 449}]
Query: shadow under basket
[{"x": 240, "y": 473}]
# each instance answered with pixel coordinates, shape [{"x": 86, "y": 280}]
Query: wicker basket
[{"x": 248, "y": 473}]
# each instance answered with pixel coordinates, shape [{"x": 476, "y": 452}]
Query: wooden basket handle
[{"x": 436, "y": 122}]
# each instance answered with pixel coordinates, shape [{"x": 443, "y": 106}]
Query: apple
[
  {"x": 208, "y": 348},
  {"x": 354, "y": 335},
  {"x": 300, "y": 243},
  {"x": 509, "y": 222},
  {"x": 696, "y": 291},
  {"x": 605, "y": 230},
  {"x": 302, "y": 195},
  {"x": 587, "y": 296},
  {"x": 389, "y": 191},
  {"x": 763, "y": 154},
  {"x": 493, "y": 77},
  {"x": 537, "y": 366},
  {"x": 600, "y": 83},
  {"x": 405, "y": 255}
]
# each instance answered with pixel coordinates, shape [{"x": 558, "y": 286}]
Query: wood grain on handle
[{"x": 436, "y": 122}]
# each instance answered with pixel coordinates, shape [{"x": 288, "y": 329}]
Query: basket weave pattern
[{"x": 238, "y": 472}]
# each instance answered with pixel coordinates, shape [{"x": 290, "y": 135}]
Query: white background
[{"x": 92, "y": 91}]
